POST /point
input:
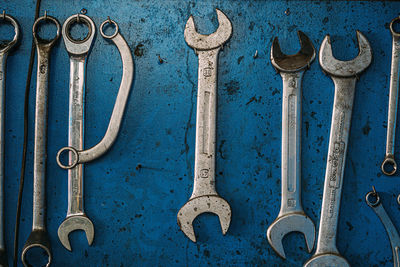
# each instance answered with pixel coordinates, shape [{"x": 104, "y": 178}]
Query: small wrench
[
  {"x": 344, "y": 75},
  {"x": 205, "y": 197},
  {"x": 76, "y": 218},
  {"x": 39, "y": 237},
  {"x": 5, "y": 47},
  {"x": 291, "y": 217},
  {"x": 389, "y": 165},
  {"x": 373, "y": 200}
]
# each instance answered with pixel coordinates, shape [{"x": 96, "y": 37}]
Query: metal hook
[
  {"x": 45, "y": 14},
  {"x": 3, "y": 17},
  {"x": 373, "y": 190},
  {"x": 78, "y": 18},
  {"x": 109, "y": 20}
]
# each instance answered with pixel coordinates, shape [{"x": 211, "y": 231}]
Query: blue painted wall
[{"x": 133, "y": 193}]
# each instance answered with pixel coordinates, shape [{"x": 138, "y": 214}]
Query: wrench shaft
[
  {"x": 3, "y": 59},
  {"x": 204, "y": 173},
  {"x": 75, "y": 133},
  {"x": 338, "y": 140},
  {"x": 291, "y": 143}
]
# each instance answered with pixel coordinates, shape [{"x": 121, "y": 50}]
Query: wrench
[
  {"x": 76, "y": 218},
  {"x": 373, "y": 200},
  {"x": 389, "y": 165},
  {"x": 344, "y": 75},
  {"x": 291, "y": 217},
  {"x": 5, "y": 47},
  {"x": 39, "y": 237},
  {"x": 205, "y": 197}
]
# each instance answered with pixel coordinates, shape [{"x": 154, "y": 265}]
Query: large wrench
[
  {"x": 76, "y": 218},
  {"x": 5, "y": 47},
  {"x": 373, "y": 200},
  {"x": 389, "y": 165},
  {"x": 205, "y": 197},
  {"x": 291, "y": 217},
  {"x": 344, "y": 75},
  {"x": 39, "y": 237}
]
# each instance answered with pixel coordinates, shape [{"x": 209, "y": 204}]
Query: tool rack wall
[{"x": 133, "y": 193}]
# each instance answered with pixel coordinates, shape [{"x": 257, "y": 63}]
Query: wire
[{"x": 25, "y": 142}]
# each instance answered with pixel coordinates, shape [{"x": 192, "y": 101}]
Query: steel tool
[
  {"x": 291, "y": 217},
  {"x": 389, "y": 165},
  {"x": 5, "y": 48},
  {"x": 39, "y": 237},
  {"x": 205, "y": 197},
  {"x": 78, "y": 51},
  {"x": 344, "y": 75},
  {"x": 373, "y": 200}
]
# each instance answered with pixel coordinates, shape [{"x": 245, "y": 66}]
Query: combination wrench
[
  {"x": 389, "y": 165},
  {"x": 344, "y": 75},
  {"x": 373, "y": 200},
  {"x": 205, "y": 197},
  {"x": 78, "y": 51},
  {"x": 39, "y": 237},
  {"x": 5, "y": 48},
  {"x": 291, "y": 217}
]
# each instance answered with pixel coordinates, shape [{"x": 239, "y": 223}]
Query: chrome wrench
[
  {"x": 373, "y": 200},
  {"x": 389, "y": 165},
  {"x": 205, "y": 197},
  {"x": 344, "y": 75},
  {"x": 39, "y": 237},
  {"x": 5, "y": 48},
  {"x": 291, "y": 217},
  {"x": 76, "y": 218}
]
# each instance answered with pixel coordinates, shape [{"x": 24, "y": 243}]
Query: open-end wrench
[
  {"x": 344, "y": 75},
  {"x": 39, "y": 237},
  {"x": 291, "y": 217},
  {"x": 5, "y": 47},
  {"x": 373, "y": 200},
  {"x": 205, "y": 197},
  {"x": 389, "y": 165},
  {"x": 76, "y": 218}
]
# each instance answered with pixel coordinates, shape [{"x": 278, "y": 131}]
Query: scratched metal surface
[{"x": 133, "y": 193}]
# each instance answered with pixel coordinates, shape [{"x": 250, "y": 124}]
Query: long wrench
[
  {"x": 291, "y": 217},
  {"x": 205, "y": 197},
  {"x": 389, "y": 165},
  {"x": 344, "y": 75},
  {"x": 39, "y": 237},
  {"x": 76, "y": 219},
  {"x": 373, "y": 200},
  {"x": 5, "y": 47}
]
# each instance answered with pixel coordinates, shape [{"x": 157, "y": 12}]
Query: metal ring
[
  {"x": 5, "y": 47},
  {"x": 372, "y": 204},
  {"x": 25, "y": 251},
  {"x": 392, "y": 162},
  {"x": 391, "y": 27},
  {"x": 37, "y": 38},
  {"x": 78, "y": 19},
  {"x": 74, "y": 163},
  {"x": 109, "y": 21}
]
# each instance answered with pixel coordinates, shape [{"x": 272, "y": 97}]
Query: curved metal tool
[
  {"x": 291, "y": 217},
  {"x": 389, "y": 165},
  {"x": 5, "y": 48},
  {"x": 373, "y": 200},
  {"x": 76, "y": 218},
  {"x": 205, "y": 197},
  {"x": 39, "y": 237},
  {"x": 344, "y": 75}
]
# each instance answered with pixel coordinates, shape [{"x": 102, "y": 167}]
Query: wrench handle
[
  {"x": 75, "y": 133},
  {"x": 204, "y": 167},
  {"x": 291, "y": 142},
  {"x": 338, "y": 140},
  {"x": 40, "y": 146},
  {"x": 3, "y": 60}
]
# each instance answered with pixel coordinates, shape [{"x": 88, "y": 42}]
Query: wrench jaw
[
  {"x": 352, "y": 68},
  {"x": 327, "y": 260},
  {"x": 73, "y": 223},
  {"x": 37, "y": 238},
  {"x": 208, "y": 42},
  {"x": 283, "y": 225},
  {"x": 296, "y": 62},
  {"x": 203, "y": 204}
]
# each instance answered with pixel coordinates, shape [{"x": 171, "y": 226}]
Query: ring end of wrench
[
  {"x": 37, "y": 238},
  {"x": 389, "y": 160}
]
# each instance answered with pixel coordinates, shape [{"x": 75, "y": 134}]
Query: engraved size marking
[
  {"x": 292, "y": 82},
  {"x": 42, "y": 69},
  {"x": 291, "y": 202},
  {"x": 207, "y": 72},
  {"x": 291, "y": 168},
  {"x": 206, "y": 122},
  {"x": 204, "y": 173},
  {"x": 1, "y": 75},
  {"x": 292, "y": 110}
]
